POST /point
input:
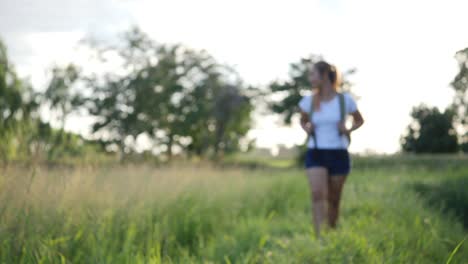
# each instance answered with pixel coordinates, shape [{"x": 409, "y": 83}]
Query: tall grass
[{"x": 203, "y": 214}]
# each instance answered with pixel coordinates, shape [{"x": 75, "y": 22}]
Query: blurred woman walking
[{"x": 327, "y": 161}]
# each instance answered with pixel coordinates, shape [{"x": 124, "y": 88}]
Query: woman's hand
[
  {"x": 342, "y": 129},
  {"x": 306, "y": 124},
  {"x": 308, "y": 128},
  {"x": 357, "y": 123}
]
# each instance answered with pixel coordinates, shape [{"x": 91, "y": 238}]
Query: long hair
[{"x": 329, "y": 71}]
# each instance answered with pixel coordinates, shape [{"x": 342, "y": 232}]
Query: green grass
[{"x": 394, "y": 210}]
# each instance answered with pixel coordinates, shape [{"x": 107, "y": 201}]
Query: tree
[
  {"x": 23, "y": 135},
  {"x": 60, "y": 94},
  {"x": 460, "y": 100},
  {"x": 224, "y": 115},
  {"x": 63, "y": 97},
  {"x": 177, "y": 96},
  {"x": 123, "y": 99},
  {"x": 147, "y": 97},
  {"x": 17, "y": 105},
  {"x": 430, "y": 131},
  {"x": 112, "y": 105}
]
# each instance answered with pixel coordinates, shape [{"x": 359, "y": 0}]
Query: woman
[{"x": 327, "y": 159}]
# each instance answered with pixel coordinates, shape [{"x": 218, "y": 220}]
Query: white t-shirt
[{"x": 326, "y": 121}]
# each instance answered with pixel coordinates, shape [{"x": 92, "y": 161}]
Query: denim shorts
[{"x": 336, "y": 161}]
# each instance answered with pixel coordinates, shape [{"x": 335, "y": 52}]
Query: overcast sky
[{"x": 403, "y": 50}]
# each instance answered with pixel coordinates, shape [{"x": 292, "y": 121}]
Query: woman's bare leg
[
  {"x": 335, "y": 188},
  {"x": 319, "y": 187}
]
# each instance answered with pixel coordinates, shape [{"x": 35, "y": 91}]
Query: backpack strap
[
  {"x": 342, "y": 106},
  {"x": 343, "y": 111},
  {"x": 311, "y": 114}
]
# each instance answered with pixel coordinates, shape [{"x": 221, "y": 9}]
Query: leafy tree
[
  {"x": 430, "y": 131},
  {"x": 63, "y": 97},
  {"x": 224, "y": 117},
  {"x": 17, "y": 105},
  {"x": 460, "y": 101},
  {"x": 23, "y": 136},
  {"x": 177, "y": 96},
  {"x": 60, "y": 93}
]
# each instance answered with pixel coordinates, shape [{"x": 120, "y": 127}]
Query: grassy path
[{"x": 413, "y": 213}]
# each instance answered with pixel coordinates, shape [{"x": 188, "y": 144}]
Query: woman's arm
[
  {"x": 358, "y": 121},
  {"x": 305, "y": 123}
]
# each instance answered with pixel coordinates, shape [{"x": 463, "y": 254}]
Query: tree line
[
  {"x": 181, "y": 100},
  {"x": 435, "y": 131}
]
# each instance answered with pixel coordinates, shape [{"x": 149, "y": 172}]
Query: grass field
[{"x": 395, "y": 210}]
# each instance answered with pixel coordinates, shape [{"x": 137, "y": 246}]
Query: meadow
[{"x": 395, "y": 209}]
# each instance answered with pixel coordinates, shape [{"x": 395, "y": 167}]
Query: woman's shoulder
[
  {"x": 306, "y": 97},
  {"x": 348, "y": 96},
  {"x": 305, "y": 102},
  {"x": 350, "y": 102}
]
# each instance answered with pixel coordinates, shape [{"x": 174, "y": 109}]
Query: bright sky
[{"x": 403, "y": 50}]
